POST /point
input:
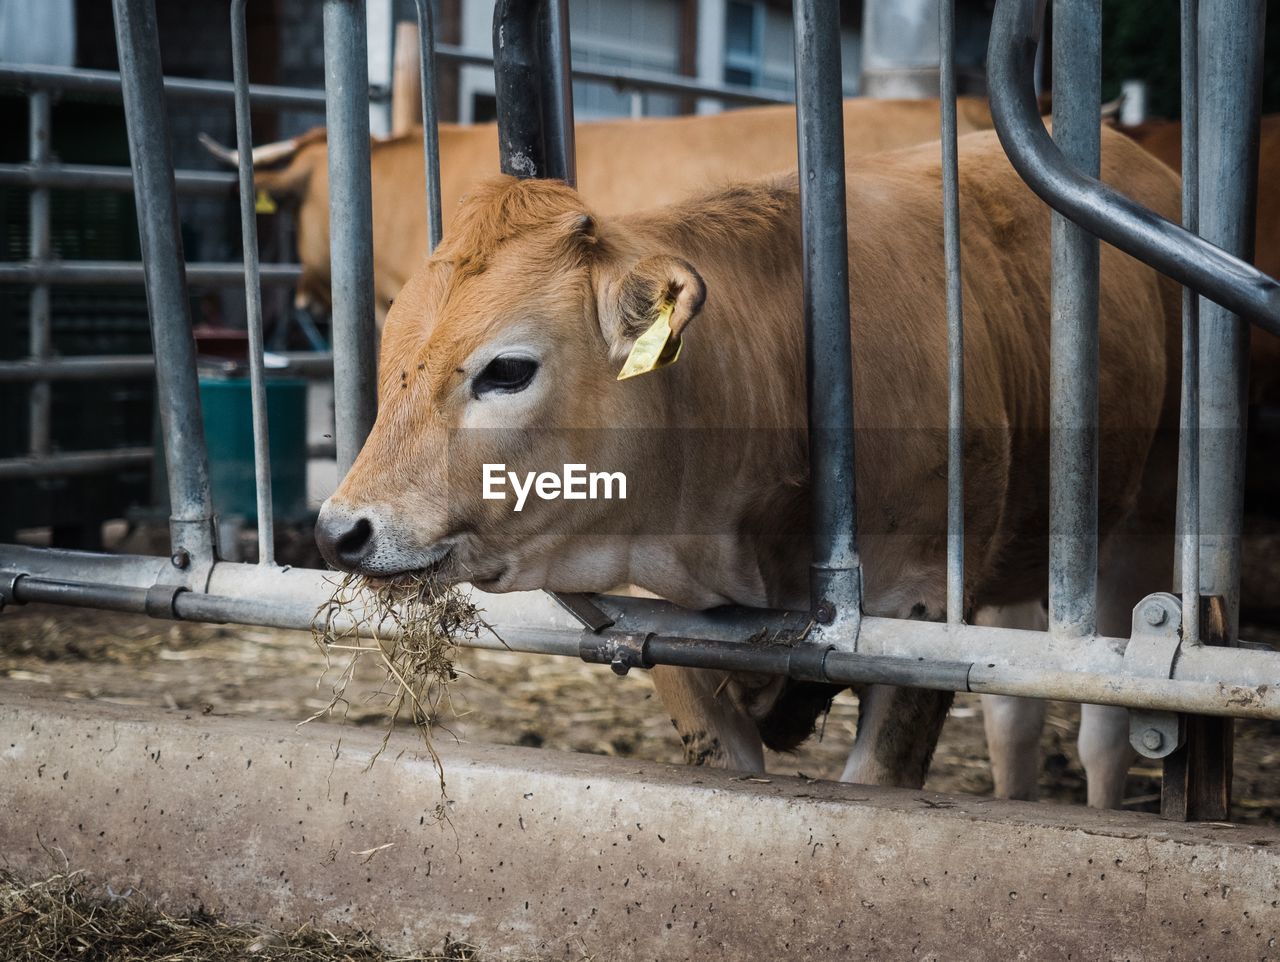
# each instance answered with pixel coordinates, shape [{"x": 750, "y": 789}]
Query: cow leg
[
  {"x": 713, "y": 728},
  {"x": 898, "y": 729},
  {"x": 1105, "y": 753},
  {"x": 1014, "y": 725},
  {"x": 1137, "y": 562}
]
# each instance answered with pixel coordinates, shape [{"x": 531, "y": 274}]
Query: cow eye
[{"x": 505, "y": 375}]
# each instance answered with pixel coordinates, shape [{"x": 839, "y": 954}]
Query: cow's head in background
[
  {"x": 295, "y": 173},
  {"x": 505, "y": 349}
]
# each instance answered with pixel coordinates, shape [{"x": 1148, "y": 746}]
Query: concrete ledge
[{"x": 561, "y": 856}]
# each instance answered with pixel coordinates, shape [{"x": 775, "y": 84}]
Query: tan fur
[
  {"x": 623, "y": 165},
  {"x": 714, "y": 446}
]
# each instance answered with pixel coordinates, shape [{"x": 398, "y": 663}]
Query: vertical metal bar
[
  {"x": 835, "y": 573},
  {"x": 1189, "y": 429},
  {"x": 430, "y": 121},
  {"x": 955, "y": 316},
  {"x": 533, "y": 89},
  {"x": 346, "y": 80},
  {"x": 252, "y": 286},
  {"x": 40, "y": 322},
  {"x": 177, "y": 392},
  {"x": 558, "y": 94},
  {"x": 1073, "y": 385},
  {"x": 1230, "y": 75}
]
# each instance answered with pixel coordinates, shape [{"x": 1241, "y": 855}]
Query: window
[
  {"x": 635, "y": 34},
  {"x": 743, "y": 43},
  {"x": 759, "y": 48}
]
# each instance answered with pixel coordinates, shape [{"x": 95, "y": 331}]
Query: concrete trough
[{"x": 562, "y": 856}]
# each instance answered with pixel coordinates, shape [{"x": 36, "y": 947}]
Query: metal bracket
[
  {"x": 583, "y": 608},
  {"x": 1151, "y": 652},
  {"x": 193, "y": 553}
]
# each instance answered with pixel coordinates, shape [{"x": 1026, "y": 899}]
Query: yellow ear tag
[
  {"x": 264, "y": 204},
  {"x": 657, "y": 347}
]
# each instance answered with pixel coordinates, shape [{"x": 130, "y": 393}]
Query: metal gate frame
[{"x": 1163, "y": 668}]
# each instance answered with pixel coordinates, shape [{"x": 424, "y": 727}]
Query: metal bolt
[
  {"x": 180, "y": 558},
  {"x": 619, "y": 666},
  {"x": 1152, "y": 740},
  {"x": 826, "y": 613},
  {"x": 1154, "y": 615}
]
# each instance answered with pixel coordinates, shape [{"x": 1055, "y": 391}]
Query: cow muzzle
[{"x": 364, "y": 541}]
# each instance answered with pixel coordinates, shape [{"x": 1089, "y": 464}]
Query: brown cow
[
  {"x": 623, "y": 165},
  {"x": 504, "y": 349},
  {"x": 1163, "y": 138}
]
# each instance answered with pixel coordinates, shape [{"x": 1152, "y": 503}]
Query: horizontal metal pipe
[
  {"x": 138, "y": 571},
  {"x": 76, "y": 273},
  {"x": 36, "y": 76},
  {"x": 26, "y": 76},
  {"x": 1099, "y": 209},
  {"x": 76, "y": 463},
  {"x": 622, "y": 78},
  {"x": 1235, "y": 682},
  {"x": 79, "y": 595},
  {"x": 96, "y": 177},
  {"x": 130, "y": 366}
]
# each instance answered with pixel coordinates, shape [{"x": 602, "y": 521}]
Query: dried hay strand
[
  {"x": 61, "y": 917},
  {"x": 411, "y": 625}
]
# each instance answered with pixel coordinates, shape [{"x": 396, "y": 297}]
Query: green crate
[{"x": 227, "y": 413}]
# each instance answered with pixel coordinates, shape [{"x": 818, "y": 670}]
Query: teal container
[{"x": 228, "y": 431}]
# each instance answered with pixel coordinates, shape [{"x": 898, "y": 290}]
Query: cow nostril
[{"x": 353, "y": 545}]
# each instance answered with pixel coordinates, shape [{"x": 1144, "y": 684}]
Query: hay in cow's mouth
[{"x": 411, "y": 624}]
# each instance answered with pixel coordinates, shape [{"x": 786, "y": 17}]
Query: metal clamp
[
  {"x": 619, "y": 651},
  {"x": 9, "y": 588},
  {"x": 1151, "y": 652},
  {"x": 161, "y": 599}
]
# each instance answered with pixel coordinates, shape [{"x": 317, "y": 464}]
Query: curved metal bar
[{"x": 1100, "y": 209}]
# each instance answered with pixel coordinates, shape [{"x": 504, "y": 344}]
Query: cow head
[{"x": 505, "y": 349}]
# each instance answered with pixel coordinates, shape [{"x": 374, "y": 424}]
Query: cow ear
[{"x": 656, "y": 290}]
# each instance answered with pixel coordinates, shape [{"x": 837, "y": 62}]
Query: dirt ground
[{"x": 509, "y": 698}]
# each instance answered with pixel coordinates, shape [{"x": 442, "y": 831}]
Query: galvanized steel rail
[
  {"x": 955, "y": 313},
  {"x": 252, "y": 287},
  {"x": 835, "y": 573},
  {"x": 191, "y": 519},
  {"x": 1073, "y": 340}
]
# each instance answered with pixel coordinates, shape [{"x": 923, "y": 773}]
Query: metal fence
[
  {"x": 42, "y": 174},
  {"x": 1164, "y": 668}
]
